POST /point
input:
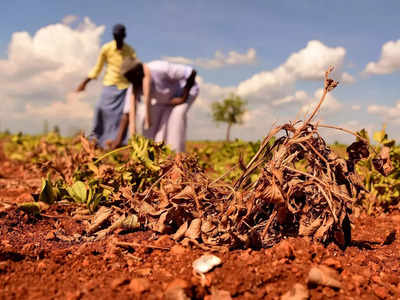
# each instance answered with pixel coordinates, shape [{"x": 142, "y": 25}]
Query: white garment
[{"x": 169, "y": 122}]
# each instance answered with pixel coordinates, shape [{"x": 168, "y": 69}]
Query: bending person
[
  {"x": 172, "y": 90},
  {"x": 109, "y": 109}
]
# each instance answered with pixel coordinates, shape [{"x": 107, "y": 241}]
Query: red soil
[{"x": 49, "y": 258}]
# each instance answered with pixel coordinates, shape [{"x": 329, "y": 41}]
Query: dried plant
[
  {"x": 286, "y": 200},
  {"x": 303, "y": 189}
]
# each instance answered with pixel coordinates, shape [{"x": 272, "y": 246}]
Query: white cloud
[
  {"x": 271, "y": 92},
  {"x": 298, "y": 97},
  {"x": 43, "y": 68},
  {"x": 347, "y": 78},
  {"x": 72, "y": 109},
  {"x": 355, "y": 107},
  {"x": 309, "y": 63},
  {"x": 219, "y": 60},
  {"x": 387, "y": 112},
  {"x": 67, "y": 20},
  {"x": 267, "y": 85},
  {"x": 389, "y": 61}
]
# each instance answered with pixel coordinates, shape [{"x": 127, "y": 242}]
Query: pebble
[
  {"x": 297, "y": 292},
  {"x": 322, "y": 275},
  {"x": 206, "y": 263}
]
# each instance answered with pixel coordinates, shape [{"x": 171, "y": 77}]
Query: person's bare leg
[{"x": 123, "y": 126}]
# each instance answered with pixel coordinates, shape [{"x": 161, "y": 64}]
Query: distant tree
[
  {"x": 56, "y": 129},
  {"x": 231, "y": 111}
]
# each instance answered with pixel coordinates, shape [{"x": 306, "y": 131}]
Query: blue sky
[{"x": 196, "y": 30}]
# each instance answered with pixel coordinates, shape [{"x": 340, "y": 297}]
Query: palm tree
[{"x": 231, "y": 110}]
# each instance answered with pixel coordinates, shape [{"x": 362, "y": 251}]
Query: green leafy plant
[
  {"x": 384, "y": 191},
  {"x": 78, "y": 192},
  {"x": 48, "y": 193}
]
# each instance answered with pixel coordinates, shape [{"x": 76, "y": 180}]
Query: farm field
[
  {"x": 50, "y": 252},
  {"x": 243, "y": 151}
]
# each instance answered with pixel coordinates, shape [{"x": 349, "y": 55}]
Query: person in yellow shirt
[{"x": 109, "y": 109}]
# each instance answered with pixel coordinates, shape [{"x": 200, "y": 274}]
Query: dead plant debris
[{"x": 304, "y": 189}]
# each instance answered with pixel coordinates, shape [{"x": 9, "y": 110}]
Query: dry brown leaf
[
  {"x": 194, "y": 230},
  {"x": 180, "y": 233},
  {"x": 383, "y": 163}
]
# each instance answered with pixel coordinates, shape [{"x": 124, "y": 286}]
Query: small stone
[
  {"x": 298, "y": 292},
  {"x": 178, "y": 250},
  {"x": 206, "y": 263},
  {"x": 139, "y": 285},
  {"x": 322, "y": 275},
  {"x": 380, "y": 292}
]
